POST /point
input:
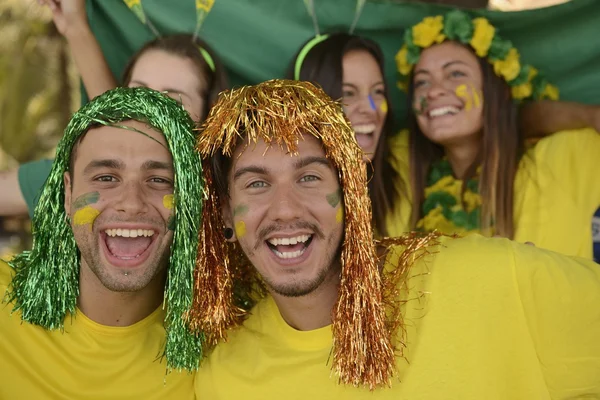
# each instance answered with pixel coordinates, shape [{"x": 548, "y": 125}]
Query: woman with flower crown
[{"x": 470, "y": 170}]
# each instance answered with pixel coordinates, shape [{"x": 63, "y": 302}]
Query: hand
[{"x": 68, "y": 15}]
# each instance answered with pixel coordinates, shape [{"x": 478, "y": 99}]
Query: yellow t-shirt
[
  {"x": 87, "y": 360},
  {"x": 485, "y": 319},
  {"x": 557, "y": 191}
]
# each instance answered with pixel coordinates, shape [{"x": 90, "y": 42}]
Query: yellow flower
[
  {"x": 401, "y": 63},
  {"x": 522, "y": 91},
  {"x": 509, "y": 67},
  {"x": 550, "y": 92},
  {"x": 482, "y": 36},
  {"x": 428, "y": 31},
  {"x": 205, "y": 5},
  {"x": 472, "y": 200},
  {"x": 131, "y": 3}
]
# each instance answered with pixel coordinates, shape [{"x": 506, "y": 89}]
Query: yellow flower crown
[{"x": 524, "y": 80}]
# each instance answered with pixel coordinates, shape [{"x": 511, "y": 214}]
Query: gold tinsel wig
[{"x": 280, "y": 112}]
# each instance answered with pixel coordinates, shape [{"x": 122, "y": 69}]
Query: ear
[
  {"x": 228, "y": 219},
  {"x": 68, "y": 191}
]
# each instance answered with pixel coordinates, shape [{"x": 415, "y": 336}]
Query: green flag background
[{"x": 257, "y": 38}]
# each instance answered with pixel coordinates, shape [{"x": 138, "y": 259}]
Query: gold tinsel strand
[{"x": 280, "y": 112}]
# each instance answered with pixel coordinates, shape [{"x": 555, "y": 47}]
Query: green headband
[
  {"x": 207, "y": 58},
  {"x": 46, "y": 282},
  {"x": 302, "y": 55}
]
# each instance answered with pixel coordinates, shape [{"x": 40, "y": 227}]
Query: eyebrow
[
  {"x": 355, "y": 87},
  {"x": 170, "y": 90},
  {"x": 151, "y": 164},
  {"x": 118, "y": 164},
  {"x": 301, "y": 163},
  {"x": 448, "y": 64}
]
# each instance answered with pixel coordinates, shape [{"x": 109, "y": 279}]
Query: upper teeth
[
  {"x": 288, "y": 241},
  {"x": 443, "y": 111},
  {"x": 364, "y": 129},
  {"x": 129, "y": 232}
]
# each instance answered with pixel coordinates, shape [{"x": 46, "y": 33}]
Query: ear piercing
[{"x": 228, "y": 233}]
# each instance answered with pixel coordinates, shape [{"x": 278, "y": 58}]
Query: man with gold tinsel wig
[
  {"x": 418, "y": 317},
  {"x": 91, "y": 309}
]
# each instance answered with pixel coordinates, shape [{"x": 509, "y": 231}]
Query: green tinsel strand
[{"x": 46, "y": 282}]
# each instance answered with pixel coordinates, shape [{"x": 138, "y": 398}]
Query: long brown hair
[
  {"x": 323, "y": 66},
  {"x": 502, "y": 146},
  {"x": 184, "y": 45}
]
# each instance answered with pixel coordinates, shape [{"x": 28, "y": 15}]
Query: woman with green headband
[
  {"x": 181, "y": 65},
  {"x": 469, "y": 168},
  {"x": 350, "y": 67}
]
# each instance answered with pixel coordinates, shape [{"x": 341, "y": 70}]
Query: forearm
[
  {"x": 11, "y": 202},
  {"x": 543, "y": 118},
  {"x": 97, "y": 77}
]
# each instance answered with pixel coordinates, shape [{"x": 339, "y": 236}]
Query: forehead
[
  {"x": 265, "y": 153},
  {"x": 358, "y": 63},
  {"x": 155, "y": 68},
  {"x": 436, "y": 57},
  {"x": 139, "y": 141}
]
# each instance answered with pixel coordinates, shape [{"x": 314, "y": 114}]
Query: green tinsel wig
[{"x": 46, "y": 282}]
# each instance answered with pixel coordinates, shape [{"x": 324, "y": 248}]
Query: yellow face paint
[
  {"x": 470, "y": 94},
  {"x": 383, "y": 106},
  {"x": 240, "y": 229},
  {"x": 339, "y": 215},
  {"x": 86, "y": 215},
  {"x": 462, "y": 92},
  {"x": 168, "y": 201}
]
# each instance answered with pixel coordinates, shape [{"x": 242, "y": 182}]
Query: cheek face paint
[
  {"x": 372, "y": 103},
  {"x": 422, "y": 106},
  {"x": 470, "y": 94},
  {"x": 339, "y": 215},
  {"x": 169, "y": 204},
  {"x": 384, "y": 106},
  {"x": 334, "y": 198},
  {"x": 85, "y": 214},
  {"x": 240, "y": 210},
  {"x": 240, "y": 229}
]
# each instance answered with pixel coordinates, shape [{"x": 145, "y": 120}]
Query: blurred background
[{"x": 39, "y": 90}]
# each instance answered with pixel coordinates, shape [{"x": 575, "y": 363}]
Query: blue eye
[
  {"x": 257, "y": 184},
  {"x": 309, "y": 178}
]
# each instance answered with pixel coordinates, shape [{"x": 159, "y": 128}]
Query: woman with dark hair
[
  {"x": 350, "y": 68},
  {"x": 470, "y": 170},
  {"x": 182, "y": 66}
]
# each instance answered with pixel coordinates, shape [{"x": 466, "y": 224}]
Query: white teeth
[
  {"x": 129, "y": 232},
  {"x": 364, "y": 129},
  {"x": 289, "y": 254},
  {"x": 437, "y": 112},
  {"x": 289, "y": 241}
]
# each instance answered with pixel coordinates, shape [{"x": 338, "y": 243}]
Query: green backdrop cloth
[{"x": 256, "y": 39}]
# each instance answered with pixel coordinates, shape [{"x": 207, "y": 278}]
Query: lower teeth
[{"x": 294, "y": 254}]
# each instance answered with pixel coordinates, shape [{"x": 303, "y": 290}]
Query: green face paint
[
  {"x": 171, "y": 223},
  {"x": 334, "y": 198},
  {"x": 85, "y": 200},
  {"x": 240, "y": 210},
  {"x": 422, "y": 106}
]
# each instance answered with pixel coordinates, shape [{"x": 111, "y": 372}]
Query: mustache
[{"x": 267, "y": 230}]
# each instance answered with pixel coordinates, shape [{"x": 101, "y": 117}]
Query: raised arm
[
  {"x": 545, "y": 117},
  {"x": 71, "y": 21}
]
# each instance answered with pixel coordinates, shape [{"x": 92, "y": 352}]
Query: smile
[
  {"x": 127, "y": 247},
  {"x": 442, "y": 111},
  {"x": 367, "y": 129},
  {"x": 289, "y": 247}
]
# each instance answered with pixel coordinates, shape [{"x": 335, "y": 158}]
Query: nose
[
  {"x": 366, "y": 104},
  {"x": 132, "y": 200},
  {"x": 436, "y": 90},
  {"x": 285, "y": 205}
]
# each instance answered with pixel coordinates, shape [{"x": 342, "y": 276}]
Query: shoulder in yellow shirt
[
  {"x": 485, "y": 319},
  {"x": 86, "y": 360}
]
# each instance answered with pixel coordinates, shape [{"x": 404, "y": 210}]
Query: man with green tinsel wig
[{"x": 95, "y": 309}]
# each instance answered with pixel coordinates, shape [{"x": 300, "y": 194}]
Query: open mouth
[
  {"x": 366, "y": 129},
  {"x": 443, "y": 111},
  {"x": 129, "y": 246},
  {"x": 289, "y": 247}
]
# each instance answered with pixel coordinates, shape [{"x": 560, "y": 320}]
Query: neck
[
  {"x": 462, "y": 156},
  {"x": 312, "y": 311},
  {"x": 112, "y": 308}
]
